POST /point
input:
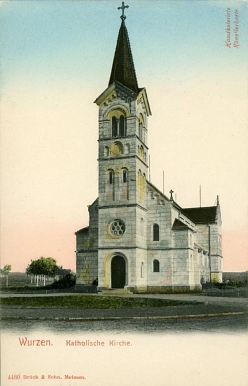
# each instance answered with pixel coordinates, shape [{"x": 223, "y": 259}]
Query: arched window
[
  {"x": 142, "y": 270},
  {"x": 118, "y": 126},
  {"x": 122, "y": 126},
  {"x": 141, "y": 151},
  {"x": 141, "y": 127},
  {"x": 106, "y": 151},
  {"x": 111, "y": 177},
  {"x": 142, "y": 226},
  {"x": 124, "y": 175},
  {"x": 155, "y": 265},
  {"x": 140, "y": 130},
  {"x": 126, "y": 148},
  {"x": 114, "y": 127},
  {"x": 155, "y": 232}
]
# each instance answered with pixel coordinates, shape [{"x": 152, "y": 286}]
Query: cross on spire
[
  {"x": 123, "y": 17},
  {"x": 171, "y": 192}
]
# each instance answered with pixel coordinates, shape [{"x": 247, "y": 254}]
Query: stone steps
[{"x": 116, "y": 292}]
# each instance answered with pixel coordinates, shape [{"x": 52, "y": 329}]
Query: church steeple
[{"x": 123, "y": 70}]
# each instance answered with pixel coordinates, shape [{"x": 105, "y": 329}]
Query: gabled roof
[
  {"x": 179, "y": 225},
  {"x": 143, "y": 95},
  {"x": 83, "y": 230},
  {"x": 201, "y": 215},
  {"x": 112, "y": 91},
  {"x": 155, "y": 189},
  {"x": 118, "y": 89},
  {"x": 94, "y": 203},
  {"x": 123, "y": 69}
]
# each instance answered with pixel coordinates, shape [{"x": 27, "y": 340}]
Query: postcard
[{"x": 124, "y": 161}]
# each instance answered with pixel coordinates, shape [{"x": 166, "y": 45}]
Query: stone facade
[{"x": 138, "y": 238}]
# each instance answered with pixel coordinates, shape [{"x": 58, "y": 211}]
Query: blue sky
[
  {"x": 56, "y": 59},
  {"x": 179, "y": 35}
]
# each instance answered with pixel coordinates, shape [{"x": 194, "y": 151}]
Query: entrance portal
[{"x": 118, "y": 272}]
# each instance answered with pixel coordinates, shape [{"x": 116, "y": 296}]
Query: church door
[{"x": 118, "y": 272}]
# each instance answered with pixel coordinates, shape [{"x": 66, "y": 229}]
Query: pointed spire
[
  {"x": 218, "y": 202},
  {"x": 123, "y": 70}
]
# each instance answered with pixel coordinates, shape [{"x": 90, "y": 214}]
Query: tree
[
  {"x": 45, "y": 266},
  {"x": 5, "y": 271}
]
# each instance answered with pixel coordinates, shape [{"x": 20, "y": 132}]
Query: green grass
[
  {"x": 88, "y": 301},
  {"x": 12, "y": 288}
]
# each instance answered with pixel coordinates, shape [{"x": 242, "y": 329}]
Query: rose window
[{"x": 117, "y": 228}]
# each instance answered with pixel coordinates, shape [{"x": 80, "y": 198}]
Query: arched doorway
[{"x": 118, "y": 272}]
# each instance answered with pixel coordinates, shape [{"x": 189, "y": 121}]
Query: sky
[{"x": 56, "y": 59}]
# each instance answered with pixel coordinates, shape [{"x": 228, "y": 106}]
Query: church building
[{"x": 139, "y": 239}]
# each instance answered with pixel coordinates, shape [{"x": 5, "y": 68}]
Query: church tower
[
  {"x": 139, "y": 239},
  {"x": 123, "y": 170}
]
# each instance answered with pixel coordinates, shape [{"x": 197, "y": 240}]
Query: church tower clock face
[{"x": 115, "y": 149}]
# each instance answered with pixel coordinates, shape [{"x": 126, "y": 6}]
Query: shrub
[
  {"x": 95, "y": 282},
  {"x": 67, "y": 281}
]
